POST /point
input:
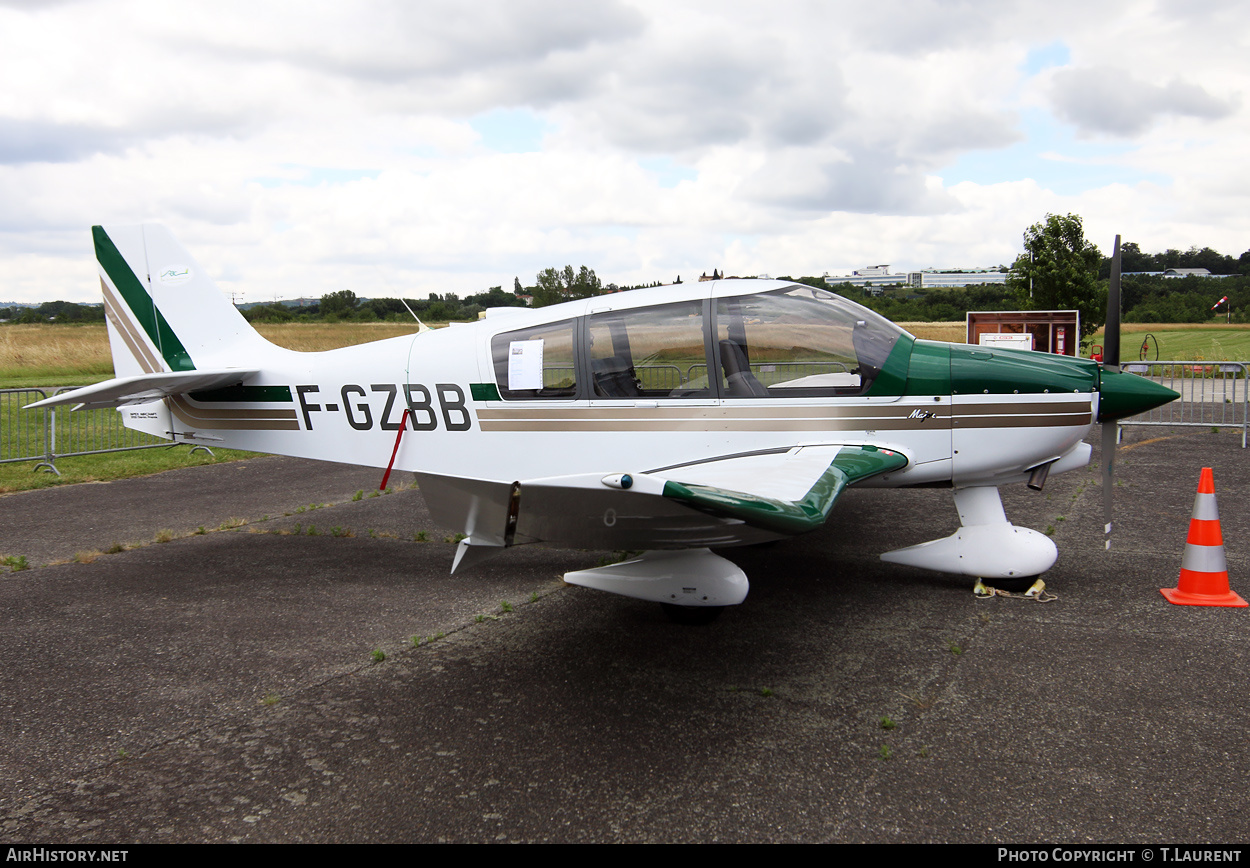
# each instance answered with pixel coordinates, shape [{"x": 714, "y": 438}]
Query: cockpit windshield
[{"x": 799, "y": 341}]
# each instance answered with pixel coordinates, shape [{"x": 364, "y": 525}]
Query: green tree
[
  {"x": 495, "y": 297},
  {"x": 269, "y": 313},
  {"x": 554, "y": 286},
  {"x": 1059, "y": 271},
  {"x": 339, "y": 304}
]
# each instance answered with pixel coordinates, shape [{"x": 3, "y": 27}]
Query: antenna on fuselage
[{"x": 421, "y": 327}]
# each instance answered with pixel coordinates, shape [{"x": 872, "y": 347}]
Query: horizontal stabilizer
[{"x": 146, "y": 387}]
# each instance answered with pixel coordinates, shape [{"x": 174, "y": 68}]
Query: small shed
[{"x": 1046, "y": 331}]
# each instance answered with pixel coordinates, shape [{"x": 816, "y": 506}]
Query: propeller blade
[
  {"x": 1109, "y": 430},
  {"x": 1110, "y": 361},
  {"x": 1111, "y": 343}
]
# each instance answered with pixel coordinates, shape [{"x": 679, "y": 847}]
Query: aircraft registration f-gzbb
[{"x": 670, "y": 420}]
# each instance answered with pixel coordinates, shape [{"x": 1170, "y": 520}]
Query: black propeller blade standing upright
[{"x": 1110, "y": 362}]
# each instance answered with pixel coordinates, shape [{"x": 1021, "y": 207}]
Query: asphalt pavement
[{"x": 259, "y": 681}]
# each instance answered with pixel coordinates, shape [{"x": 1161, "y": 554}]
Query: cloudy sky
[{"x": 403, "y": 147}]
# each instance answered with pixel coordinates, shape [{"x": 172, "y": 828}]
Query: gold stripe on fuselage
[
  {"x": 891, "y": 417},
  {"x": 235, "y": 420}
]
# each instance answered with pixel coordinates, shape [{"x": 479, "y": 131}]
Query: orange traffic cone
[{"x": 1204, "y": 575}]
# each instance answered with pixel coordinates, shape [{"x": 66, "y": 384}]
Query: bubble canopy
[{"x": 794, "y": 341}]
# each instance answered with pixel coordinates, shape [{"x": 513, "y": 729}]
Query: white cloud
[
  {"x": 299, "y": 148},
  {"x": 1113, "y": 101}
]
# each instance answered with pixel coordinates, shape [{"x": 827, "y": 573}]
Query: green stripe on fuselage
[
  {"x": 484, "y": 392},
  {"x": 141, "y": 305},
  {"x": 245, "y": 395}
]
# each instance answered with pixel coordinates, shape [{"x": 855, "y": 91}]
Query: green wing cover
[{"x": 850, "y": 465}]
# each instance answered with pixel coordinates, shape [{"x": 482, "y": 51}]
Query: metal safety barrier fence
[
  {"x": 1213, "y": 395},
  {"x": 24, "y": 434},
  {"x": 46, "y": 434}
]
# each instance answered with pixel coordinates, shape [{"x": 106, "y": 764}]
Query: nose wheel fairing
[{"x": 986, "y": 546}]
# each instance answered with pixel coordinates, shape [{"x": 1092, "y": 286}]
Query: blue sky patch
[
  {"x": 510, "y": 131},
  {"x": 667, "y": 173},
  {"x": 1046, "y": 56},
  {"x": 1081, "y": 165}
]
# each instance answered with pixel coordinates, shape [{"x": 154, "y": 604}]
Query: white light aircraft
[{"x": 671, "y": 420}]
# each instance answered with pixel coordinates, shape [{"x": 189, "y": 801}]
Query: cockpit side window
[
  {"x": 799, "y": 341},
  {"x": 650, "y": 352},
  {"x": 536, "y": 363}
]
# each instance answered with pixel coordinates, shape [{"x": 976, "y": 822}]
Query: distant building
[
  {"x": 1175, "y": 273},
  {"x": 1187, "y": 272},
  {"x": 876, "y": 277},
  {"x": 961, "y": 278}
]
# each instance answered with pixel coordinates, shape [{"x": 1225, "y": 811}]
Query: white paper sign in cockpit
[{"x": 525, "y": 365}]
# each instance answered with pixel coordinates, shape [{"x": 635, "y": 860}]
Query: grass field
[
  {"x": 937, "y": 331},
  {"x": 78, "y": 355},
  {"x": 1184, "y": 343},
  {"x": 20, "y": 476}
]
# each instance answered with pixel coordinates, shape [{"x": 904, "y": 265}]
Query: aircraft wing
[
  {"x": 146, "y": 387},
  {"x": 723, "y": 501},
  {"x": 790, "y": 492}
]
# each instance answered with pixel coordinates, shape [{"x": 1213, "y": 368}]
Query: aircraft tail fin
[{"x": 165, "y": 315}]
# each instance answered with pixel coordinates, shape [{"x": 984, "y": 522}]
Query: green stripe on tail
[{"x": 141, "y": 305}]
